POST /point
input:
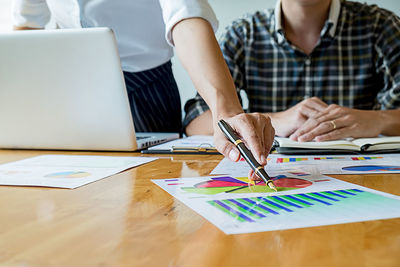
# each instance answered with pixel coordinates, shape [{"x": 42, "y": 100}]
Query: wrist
[
  {"x": 387, "y": 122},
  {"x": 224, "y": 111}
]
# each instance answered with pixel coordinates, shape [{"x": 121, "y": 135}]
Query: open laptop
[{"x": 64, "y": 89}]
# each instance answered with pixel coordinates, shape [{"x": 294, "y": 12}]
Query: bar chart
[{"x": 327, "y": 204}]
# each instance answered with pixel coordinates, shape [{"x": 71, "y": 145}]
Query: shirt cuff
[
  {"x": 34, "y": 14},
  {"x": 184, "y": 9}
]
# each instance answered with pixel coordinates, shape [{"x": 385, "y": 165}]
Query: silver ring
[{"x": 333, "y": 124}]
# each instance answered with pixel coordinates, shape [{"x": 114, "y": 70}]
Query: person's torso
[
  {"x": 341, "y": 69},
  {"x": 137, "y": 24}
]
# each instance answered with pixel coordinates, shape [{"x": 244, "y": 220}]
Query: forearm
[
  {"x": 201, "y": 56},
  {"x": 202, "y": 125},
  {"x": 390, "y": 121}
]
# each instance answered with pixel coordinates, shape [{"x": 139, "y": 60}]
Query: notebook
[
  {"x": 64, "y": 89},
  {"x": 195, "y": 144},
  {"x": 384, "y": 144}
]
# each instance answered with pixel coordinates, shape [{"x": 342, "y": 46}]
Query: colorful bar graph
[
  {"x": 295, "y": 159},
  {"x": 254, "y": 209},
  {"x": 285, "y": 160},
  {"x": 325, "y": 158},
  {"x": 365, "y": 158}
]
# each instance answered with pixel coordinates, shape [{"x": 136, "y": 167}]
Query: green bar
[
  {"x": 295, "y": 201},
  {"x": 355, "y": 191},
  {"x": 260, "y": 210},
  {"x": 266, "y": 204},
  {"x": 233, "y": 205},
  {"x": 329, "y": 195},
  {"x": 226, "y": 211},
  {"x": 280, "y": 202},
  {"x": 316, "y": 196},
  {"x": 340, "y": 193},
  {"x": 306, "y": 199}
]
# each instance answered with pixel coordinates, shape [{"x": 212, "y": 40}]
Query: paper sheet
[
  {"x": 191, "y": 141},
  {"x": 329, "y": 164},
  {"x": 303, "y": 200},
  {"x": 65, "y": 171}
]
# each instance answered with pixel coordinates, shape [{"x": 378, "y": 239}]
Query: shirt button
[{"x": 308, "y": 61}]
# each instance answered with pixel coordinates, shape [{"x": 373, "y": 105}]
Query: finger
[
  {"x": 316, "y": 104},
  {"x": 249, "y": 127},
  {"x": 333, "y": 111},
  {"x": 335, "y": 135},
  {"x": 225, "y": 147},
  {"x": 262, "y": 139},
  {"x": 322, "y": 128},
  {"x": 253, "y": 176},
  {"x": 269, "y": 133},
  {"x": 308, "y": 111},
  {"x": 312, "y": 124}
]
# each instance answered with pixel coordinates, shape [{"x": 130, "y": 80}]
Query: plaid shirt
[{"x": 355, "y": 64}]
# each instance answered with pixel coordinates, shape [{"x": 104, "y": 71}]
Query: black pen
[{"x": 246, "y": 154}]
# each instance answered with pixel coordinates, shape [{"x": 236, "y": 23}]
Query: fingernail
[{"x": 233, "y": 155}]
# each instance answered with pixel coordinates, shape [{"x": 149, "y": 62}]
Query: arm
[
  {"x": 199, "y": 52},
  {"x": 339, "y": 122},
  {"x": 201, "y": 125}
]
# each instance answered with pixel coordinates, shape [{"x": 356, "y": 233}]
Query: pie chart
[
  {"x": 241, "y": 185},
  {"x": 372, "y": 168}
]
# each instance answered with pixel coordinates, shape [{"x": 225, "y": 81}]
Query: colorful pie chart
[
  {"x": 241, "y": 185},
  {"x": 372, "y": 168}
]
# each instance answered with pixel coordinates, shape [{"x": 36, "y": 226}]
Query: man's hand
[
  {"x": 254, "y": 129},
  {"x": 288, "y": 121},
  {"x": 337, "y": 122}
]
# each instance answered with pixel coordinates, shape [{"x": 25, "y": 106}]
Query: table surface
[{"x": 126, "y": 220}]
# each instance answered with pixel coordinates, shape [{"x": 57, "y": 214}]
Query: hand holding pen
[{"x": 246, "y": 154}]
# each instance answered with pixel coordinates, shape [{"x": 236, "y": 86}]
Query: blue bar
[
  {"x": 275, "y": 204},
  {"x": 241, "y": 215},
  {"x": 287, "y": 202},
  {"x": 335, "y": 194},
  {"x": 321, "y": 195},
  {"x": 347, "y": 192},
  {"x": 246, "y": 208},
  {"x": 292, "y": 159},
  {"x": 357, "y": 190},
  {"x": 299, "y": 200},
  {"x": 260, "y": 206},
  {"x": 315, "y": 199}
]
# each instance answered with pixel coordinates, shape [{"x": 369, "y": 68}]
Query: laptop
[{"x": 64, "y": 89}]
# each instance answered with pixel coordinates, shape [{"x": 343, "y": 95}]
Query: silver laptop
[{"x": 64, "y": 89}]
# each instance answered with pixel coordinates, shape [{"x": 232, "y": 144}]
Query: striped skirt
[{"x": 154, "y": 99}]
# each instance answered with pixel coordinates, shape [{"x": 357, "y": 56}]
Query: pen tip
[{"x": 272, "y": 186}]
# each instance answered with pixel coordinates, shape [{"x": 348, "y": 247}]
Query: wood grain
[{"x": 126, "y": 220}]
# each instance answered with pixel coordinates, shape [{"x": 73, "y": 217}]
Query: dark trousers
[{"x": 154, "y": 99}]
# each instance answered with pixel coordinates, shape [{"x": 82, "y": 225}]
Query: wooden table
[{"x": 126, "y": 220}]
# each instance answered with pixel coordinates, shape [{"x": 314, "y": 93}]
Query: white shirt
[{"x": 142, "y": 27}]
